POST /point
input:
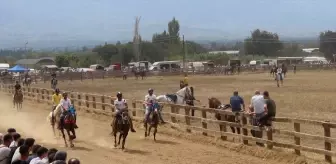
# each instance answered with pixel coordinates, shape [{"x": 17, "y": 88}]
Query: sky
[{"x": 111, "y": 20}]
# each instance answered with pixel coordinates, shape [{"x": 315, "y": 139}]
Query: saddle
[{"x": 172, "y": 97}]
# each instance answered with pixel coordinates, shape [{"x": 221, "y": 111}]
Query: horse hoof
[
  {"x": 72, "y": 145},
  {"x": 115, "y": 145}
]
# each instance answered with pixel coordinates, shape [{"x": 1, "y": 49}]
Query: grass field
[{"x": 305, "y": 95}]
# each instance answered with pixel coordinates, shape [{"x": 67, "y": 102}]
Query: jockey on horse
[
  {"x": 66, "y": 109},
  {"x": 121, "y": 106},
  {"x": 17, "y": 87},
  {"x": 151, "y": 105}
]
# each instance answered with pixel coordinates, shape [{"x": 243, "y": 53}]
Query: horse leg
[
  {"x": 145, "y": 128},
  {"x": 73, "y": 134},
  {"x": 155, "y": 131},
  {"x": 63, "y": 135},
  {"x": 115, "y": 139},
  {"x": 70, "y": 138},
  {"x": 120, "y": 135},
  {"x": 149, "y": 129},
  {"x": 124, "y": 140}
]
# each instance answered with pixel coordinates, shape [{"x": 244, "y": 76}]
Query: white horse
[{"x": 180, "y": 97}]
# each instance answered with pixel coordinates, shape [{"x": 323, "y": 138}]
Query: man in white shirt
[
  {"x": 121, "y": 105},
  {"x": 4, "y": 149},
  {"x": 65, "y": 103},
  {"x": 150, "y": 100},
  {"x": 16, "y": 137},
  {"x": 42, "y": 153},
  {"x": 257, "y": 104},
  {"x": 279, "y": 76}
]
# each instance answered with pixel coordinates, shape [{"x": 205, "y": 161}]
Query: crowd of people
[{"x": 16, "y": 150}]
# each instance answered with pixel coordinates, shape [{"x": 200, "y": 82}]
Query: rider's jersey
[
  {"x": 119, "y": 105},
  {"x": 66, "y": 103},
  {"x": 185, "y": 81},
  {"x": 150, "y": 99},
  {"x": 279, "y": 70},
  {"x": 56, "y": 99}
]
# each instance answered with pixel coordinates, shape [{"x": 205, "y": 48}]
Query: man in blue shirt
[{"x": 236, "y": 103}]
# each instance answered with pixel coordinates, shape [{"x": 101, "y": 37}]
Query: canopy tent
[{"x": 17, "y": 68}]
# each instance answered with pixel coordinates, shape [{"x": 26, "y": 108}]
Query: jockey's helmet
[{"x": 119, "y": 94}]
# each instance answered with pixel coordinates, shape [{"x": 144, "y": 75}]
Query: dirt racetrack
[{"x": 94, "y": 144}]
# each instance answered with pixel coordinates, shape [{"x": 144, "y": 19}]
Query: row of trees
[{"x": 170, "y": 45}]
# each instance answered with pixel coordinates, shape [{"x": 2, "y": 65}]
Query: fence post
[
  {"x": 297, "y": 139},
  {"x": 187, "y": 118},
  {"x": 87, "y": 100},
  {"x": 103, "y": 101},
  {"x": 79, "y": 97},
  {"x": 173, "y": 118},
  {"x": 112, "y": 102},
  {"x": 270, "y": 138},
  {"x": 204, "y": 123},
  {"x": 72, "y": 98},
  {"x": 42, "y": 92},
  {"x": 94, "y": 102},
  {"x": 244, "y": 129},
  {"x": 134, "y": 111},
  {"x": 327, "y": 145},
  {"x": 223, "y": 128}
]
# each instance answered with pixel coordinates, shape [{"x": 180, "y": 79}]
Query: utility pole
[
  {"x": 136, "y": 40},
  {"x": 184, "y": 53}
]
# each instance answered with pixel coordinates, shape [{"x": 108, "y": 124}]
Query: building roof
[{"x": 33, "y": 61}]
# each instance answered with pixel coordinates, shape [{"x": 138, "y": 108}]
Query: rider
[
  {"x": 17, "y": 87},
  {"x": 121, "y": 105},
  {"x": 66, "y": 104},
  {"x": 185, "y": 80},
  {"x": 56, "y": 97},
  {"x": 279, "y": 76},
  {"x": 151, "y": 104}
]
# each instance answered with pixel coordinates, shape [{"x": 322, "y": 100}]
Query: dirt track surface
[{"x": 95, "y": 145}]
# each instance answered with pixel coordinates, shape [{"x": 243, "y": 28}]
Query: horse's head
[
  {"x": 214, "y": 102},
  {"x": 124, "y": 116}
]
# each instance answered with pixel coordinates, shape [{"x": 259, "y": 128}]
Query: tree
[
  {"x": 62, "y": 61},
  {"x": 328, "y": 44},
  {"x": 174, "y": 31},
  {"x": 262, "y": 43},
  {"x": 106, "y": 52}
]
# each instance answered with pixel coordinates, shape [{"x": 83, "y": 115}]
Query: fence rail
[{"x": 103, "y": 104}]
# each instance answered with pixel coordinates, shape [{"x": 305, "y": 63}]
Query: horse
[
  {"x": 272, "y": 71},
  {"x": 153, "y": 121},
  {"x": 180, "y": 97},
  {"x": 215, "y": 103},
  {"x": 69, "y": 123},
  {"x": 121, "y": 124},
  {"x": 27, "y": 81},
  {"x": 18, "y": 99}
]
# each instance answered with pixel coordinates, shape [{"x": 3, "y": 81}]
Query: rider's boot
[
  {"x": 131, "y": 123},
  {"x": 161, "y": 118}
]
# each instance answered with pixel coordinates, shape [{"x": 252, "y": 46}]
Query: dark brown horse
[
  {"x": 215, "y": 103},
  {"x": 153, "y": 122},
  {"x": 120, "y": 125},
  {"x": 18, "y": 99}
]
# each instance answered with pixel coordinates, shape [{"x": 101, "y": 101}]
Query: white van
[{"x": 165, "y": 65}]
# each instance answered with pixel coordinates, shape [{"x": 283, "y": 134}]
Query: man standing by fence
[{"x": 257, "y": 110}]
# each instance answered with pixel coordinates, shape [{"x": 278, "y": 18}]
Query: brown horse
[
  {"x": 120, "y": 124},
  {"x": 153, "y": 122},
  {"x": 18, "y": 99},
  {"x": 215, "y": 103}
]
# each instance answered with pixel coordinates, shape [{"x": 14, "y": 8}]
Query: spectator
[
  {"x": 42, "y": 153},
  {"x": 34, "y": 153},
  {"x": 51, "y": 155},
  {"x": 270, "y": 110},
  {"x": 73, "y": 161},
  {"x": 13, "y": 149},
  {"x": 28, "y": 142},
  {"x": 257, "y": 109},
  {"x": 4, "y": 148},
  {"x": 16, "y": 137},
  {"x": 11, "y": 131},
  {"x": 60, "y": 156},
  {"x": 24, "y": 153},
  {"x": 236, "y": 103},
  {"x": 1, "y": 136}
]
